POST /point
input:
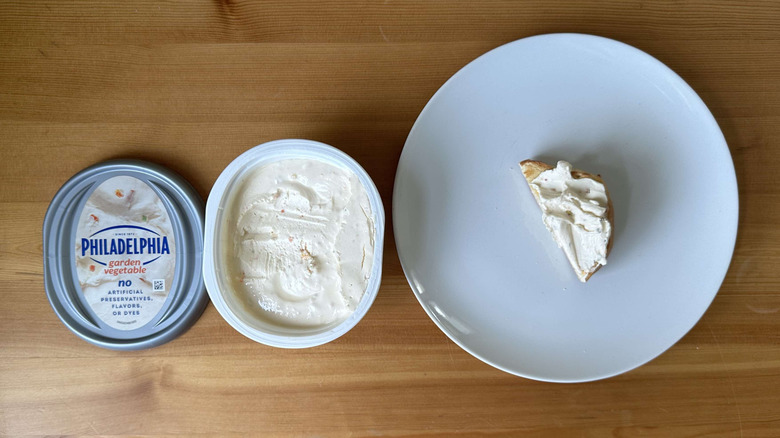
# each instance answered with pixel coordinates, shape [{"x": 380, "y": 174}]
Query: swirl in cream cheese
[
  {"x": 574, "y": 210},
  {"x": 300, "y": 242}
]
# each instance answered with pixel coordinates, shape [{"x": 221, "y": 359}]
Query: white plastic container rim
[{"x": 264, "y": 154}]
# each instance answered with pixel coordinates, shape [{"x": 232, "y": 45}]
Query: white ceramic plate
[{"x": 470, "y": 236}]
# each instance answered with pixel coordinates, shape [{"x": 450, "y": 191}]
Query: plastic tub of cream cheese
[
  {"x": 123, "y": 250},
  {"x": 293, "y": 243}
]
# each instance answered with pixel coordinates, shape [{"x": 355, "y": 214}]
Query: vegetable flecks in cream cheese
[
  {"x": 300, "y": 241},
  {"x": 574, "y": 210}
]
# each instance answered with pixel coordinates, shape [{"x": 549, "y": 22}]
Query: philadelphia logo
[{"x": 153, "y": 245}]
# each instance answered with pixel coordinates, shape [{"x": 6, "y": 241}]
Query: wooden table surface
[{"x": 193, "y": 84}]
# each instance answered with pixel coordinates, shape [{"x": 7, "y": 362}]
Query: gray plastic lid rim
[{"x": 187, "y": 298}]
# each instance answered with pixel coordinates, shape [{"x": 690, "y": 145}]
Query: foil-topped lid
[{"x": 123, "y": 253}]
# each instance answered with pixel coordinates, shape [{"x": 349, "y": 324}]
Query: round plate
[{"x": 470, "y": 235}]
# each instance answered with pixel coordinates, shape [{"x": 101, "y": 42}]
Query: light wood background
[{"x": 192, "y": 84}]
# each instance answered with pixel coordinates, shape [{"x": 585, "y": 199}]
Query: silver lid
[{"x": 95, "y": 260}]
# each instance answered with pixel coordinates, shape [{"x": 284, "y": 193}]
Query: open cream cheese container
[{"x": 293, "y": 243}]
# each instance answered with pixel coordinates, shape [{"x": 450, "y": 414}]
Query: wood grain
[{"x": 192, "y": 84}]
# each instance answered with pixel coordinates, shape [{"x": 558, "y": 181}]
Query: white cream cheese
[
  {"x": 299, "y": 242},
  {"x": 574, "y": 210}
]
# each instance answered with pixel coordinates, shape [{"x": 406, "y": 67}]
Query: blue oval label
[{"x": 125, "y": 252}]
